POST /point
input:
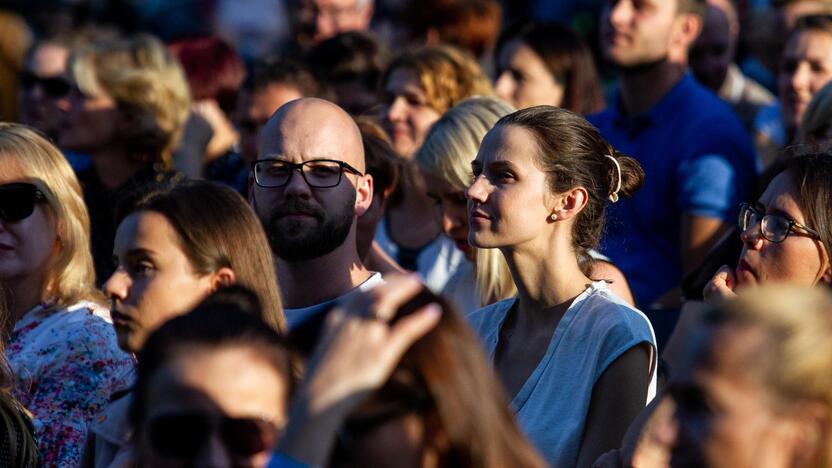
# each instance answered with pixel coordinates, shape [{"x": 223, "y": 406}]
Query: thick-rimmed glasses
[
  {"x": 318, "y": 173},
  {"x": 773, "y": 227}
]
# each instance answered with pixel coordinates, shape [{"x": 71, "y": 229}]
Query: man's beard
[{"x": 297, "y": 241}]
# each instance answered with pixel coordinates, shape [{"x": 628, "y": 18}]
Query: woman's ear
[
  {"x": 568, "y": 204},
  {"x": 222, "y": 278}
]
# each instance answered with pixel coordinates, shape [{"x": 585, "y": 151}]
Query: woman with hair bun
[{"x": 578, "y": 362}]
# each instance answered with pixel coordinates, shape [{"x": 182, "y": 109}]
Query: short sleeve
[{"x": 708, "y": 187}]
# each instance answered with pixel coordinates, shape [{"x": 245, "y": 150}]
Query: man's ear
[
  {"x": 686, "y": 29},
  {"x": 364, "y": 194}
]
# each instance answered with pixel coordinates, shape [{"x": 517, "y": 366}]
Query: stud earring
[{"x": 553, "y": 217}]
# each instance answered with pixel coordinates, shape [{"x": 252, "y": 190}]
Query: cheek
[{"x": 166, "y": 296}]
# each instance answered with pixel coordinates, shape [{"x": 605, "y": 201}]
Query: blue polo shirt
[{"x": 698, "y": 160}]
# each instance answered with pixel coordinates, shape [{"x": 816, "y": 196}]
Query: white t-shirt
[{"x": 301, "y": 314}]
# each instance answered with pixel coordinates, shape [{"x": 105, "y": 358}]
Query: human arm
[
  {"x": 617, "y": 398},
  {"x": 355, "y": 356},
  {"x": 615, "y": 278}
]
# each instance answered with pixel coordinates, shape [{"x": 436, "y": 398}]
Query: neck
[
  {"x": 113, "y": 167},
  {"x": 544, "y": 280},
  {"x": 310, "y": 282},
  {"x": 645, "y": 85},
  {"x": 22, "y": 296},
  {"x": 412, "y": 223}
]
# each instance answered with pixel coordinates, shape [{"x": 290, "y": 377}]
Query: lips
[{"x": 120, "y": 319}]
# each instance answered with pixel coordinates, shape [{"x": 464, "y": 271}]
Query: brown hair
[
  {"x": 810, "y": 174},
  {"x": 447, "y": 75},
  {"x": 217, "y": 228},
  {"x": 573, "y": 154},
  {"x": 451, "y": 384},
  {"x": 472, "y": 25},
  {"x": 567, "y": 57},
  {"x": 696, "y": 7}
]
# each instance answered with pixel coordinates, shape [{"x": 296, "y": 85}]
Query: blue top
[
  {"x": 553, "y": 404},
  {"x": 697, "y": 158}
]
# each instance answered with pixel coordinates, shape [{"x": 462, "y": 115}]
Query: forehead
[
  {"x": 48, "y": 60},
  {"x": 299, "y": 137},
  {"x": 147, "y": 230},
  {"x": 781, "y": 194},
  {"x": 403, "y": 79},
  {"x": 510, "y": 143},
  {"x": 810, "y": 43}
]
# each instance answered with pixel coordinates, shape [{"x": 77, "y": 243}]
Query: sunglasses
[
  {"x": 55, "y": 86},
  {"x": 183, "y": 435},
  {"x": 17, "y": 201}
]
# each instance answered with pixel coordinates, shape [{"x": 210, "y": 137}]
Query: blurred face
[
  {"x": 805, "y": 67},
  {"x": 27, "y": 245},
  {"x": 523, "y": 80},
  {"x": 154, "y": 280},
  {"x": 322, "y": 19},
  {"x": 452, "y": 212},
  {"x": 713, "y": 51},
  {"x": 91, "y": 124},
  {"x": 45, "y": 89},
  {"x": 406, "y": 113},
  {"x": 507, "y": 200},
  {"x": 254, "y": 109},
  {"x": 725, "y": 415},
  {"x": 218, "y": 408},
  {"x": 637, "y": 32},
  {"x": 798, "y": 259}
]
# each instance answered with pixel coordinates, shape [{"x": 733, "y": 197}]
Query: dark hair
[
  {"x": 697, "y": 7},
  {"x": 817, "y": 22},
  {"x": 380, "y": 158},
  {"x": 213, "y": 68},
  {"x": 351, "y": 57},
  {"x": 573, "y": 154},
  {"x": 276, "y": 70},
  {"x": 217, "y": 228},
  {"x": 567, "y": 57},
  {"x": 472, "y": 25},
  {"x": 446, "y": 379},
  {"x": 811, "y": 175},
  {"x": 228, "y": 318}
]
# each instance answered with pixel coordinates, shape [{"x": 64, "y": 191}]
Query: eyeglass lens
[
  {"x": 53, "y": 86},
  {"x": 183, "y": 435},
  {"x": 17, "y": 201},
  {"x": 317, "y": 173}
]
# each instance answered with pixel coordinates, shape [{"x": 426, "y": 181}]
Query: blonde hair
[
  {"x": 71, "y": 275},
  {"x": 449, "y": 147},
  {"x": 148, "y": 85},
  {"x": 446, "y": 74},
  {"x": 796, "y": 360}
]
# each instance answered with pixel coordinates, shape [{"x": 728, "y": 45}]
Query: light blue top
[{"x": 553, "y": 404}]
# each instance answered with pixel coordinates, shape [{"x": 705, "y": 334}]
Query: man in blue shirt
[{"x": 699, "y": 161}]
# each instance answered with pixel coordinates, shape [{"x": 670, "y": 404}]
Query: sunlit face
[
  {"x": 637, "y": 32},
  {"x": 798, "y": 259},
  {"x": 406, "y": 114},
  {"x": 27, "y": 246},
  {"x": 507, "y": 202},
  {"x": 91, "y": 124},
  {"x": 254, "y": 109},
  {"x": 524, "y": 80},
  {"x": 451, "y": 212},
  {"x": 806, "y": 66},
  {"x": 726, "y": 416},
  {"x": 154, "y": 281},
  {"x": 713, "y": 51},
  {"x": 228, "y": 382}
]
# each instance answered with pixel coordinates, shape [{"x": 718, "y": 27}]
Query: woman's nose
[{"x": 117, "y": 285}]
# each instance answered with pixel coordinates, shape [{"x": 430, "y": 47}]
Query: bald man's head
[{"x": 312, "y": 128}]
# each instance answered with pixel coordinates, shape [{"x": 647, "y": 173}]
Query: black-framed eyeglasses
[
  {"x": 183, "y": 435},
  {"x": 773, "y": 227},
  {"x": 318, "y": 173},
  {"x": 55, "y": 86},
  {"x": 17, "y": 200}
]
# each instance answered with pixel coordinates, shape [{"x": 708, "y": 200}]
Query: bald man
[{"x": 308, "y": 188}]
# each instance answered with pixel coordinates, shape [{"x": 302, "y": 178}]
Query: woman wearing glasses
[
  {"x": 786, "y": 234},
  {"x": 61, "y": 348}
]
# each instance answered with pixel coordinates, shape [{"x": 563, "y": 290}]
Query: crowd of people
[{"x": 439, "y": 233}]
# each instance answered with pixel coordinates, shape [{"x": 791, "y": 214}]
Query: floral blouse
[{"x": 66, "y": 364}]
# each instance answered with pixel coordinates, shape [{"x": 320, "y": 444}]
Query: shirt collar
[{"x": 634, "y": 125}]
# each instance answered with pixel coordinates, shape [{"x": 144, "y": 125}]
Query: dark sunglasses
[
  {"x": 182, "y": 435},
  {"x": 55, "y": 86},
  {"x": 17, "y": 201}
]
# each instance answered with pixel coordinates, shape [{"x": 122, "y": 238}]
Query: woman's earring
[{"x": 553, "y": 217}]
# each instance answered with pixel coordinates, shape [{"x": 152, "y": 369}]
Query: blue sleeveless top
[{"x": 553, "y": 404}]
